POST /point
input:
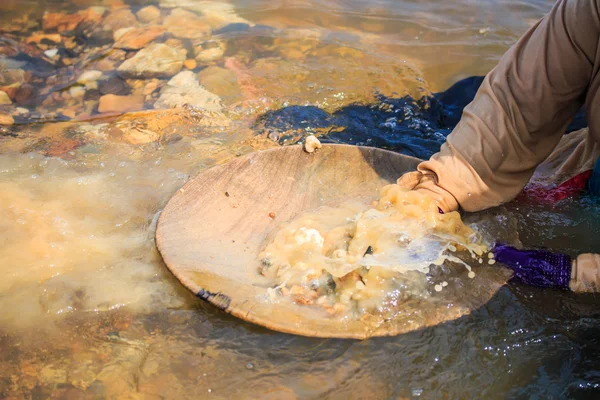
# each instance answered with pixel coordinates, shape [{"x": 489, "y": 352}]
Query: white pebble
[
  {"x": 311, "y": 144},
  {"x": 444, "y": 284},
  {"x": 492, "y": 262},
  {"x": 438, "y": 288},
  {"x": 51, "y": 53},
  {"x": 471, "y": 274}
]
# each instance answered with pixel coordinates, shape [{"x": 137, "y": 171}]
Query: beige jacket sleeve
[{"x": 519, "y": 113}]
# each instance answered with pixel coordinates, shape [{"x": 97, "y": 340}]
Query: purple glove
[{"x": 536, "y": 267}]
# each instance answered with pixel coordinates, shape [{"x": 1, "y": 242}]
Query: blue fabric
[
  {"x": 593, "y": 184},
  {"x": 411, "y": 127}
]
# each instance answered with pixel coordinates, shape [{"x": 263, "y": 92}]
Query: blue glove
[{"x": 538, "y": 268}]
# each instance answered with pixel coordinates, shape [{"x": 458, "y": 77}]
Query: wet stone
[
  {"x": 61, "y": 22},
  {"x": 210, "y": 51},
  {"x": 114, "y": 85},
  {"x": 221, "y": 81},
  {"x": 120, "y": 18},
  {"x": 4, "y": 99},
  {"x": 148, "y": 14},
  {"x": 187, "y": 25},
  {"x": 135, "y": 39},
  {"x": 183, "y": 89},
  {"x": 112, "y": 103},
  {"x": 26, "y": 95},
  {"x": 89, "y": 76},
  {"x": 189, "y": 64},
  {"x": 154, "y": 61},
  {"x": 6, "y": 119}
]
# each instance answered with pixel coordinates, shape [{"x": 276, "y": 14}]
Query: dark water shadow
[{"x": 412, "y": 127}]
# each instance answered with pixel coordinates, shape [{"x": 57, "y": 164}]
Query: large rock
[
  {"x": 155, "y": 61},
  {"x": 187, "y": 25},
  {"x": 111, "y": 103},
  {"x": 184, "y": 88}
]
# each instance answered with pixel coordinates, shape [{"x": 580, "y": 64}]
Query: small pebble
[
  {"x": 249, "y": 365},
  {"x": 311, "y": 144},
  {"x": 272, "y": 215},
  {"x": 438, "y": 288},
  {"x": 444, "y": 284},
  {"x": 471, "y": 275},
  {"x": 51, "y": 53},
  {"x": 492, "y": 262}
]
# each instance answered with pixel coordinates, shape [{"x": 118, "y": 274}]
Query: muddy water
[{"x": 88, "y": 310}]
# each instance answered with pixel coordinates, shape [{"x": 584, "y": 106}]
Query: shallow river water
[{"x": 92, "y": 146}]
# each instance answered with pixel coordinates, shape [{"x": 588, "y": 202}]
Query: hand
[
  {"x": 428, "y": 184},
  {"x": 538, "y": 268},
  {"x": 586, "y": 273}
]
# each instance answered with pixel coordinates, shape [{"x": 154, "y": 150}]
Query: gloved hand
[
  {"x": 427, "y": 184},
  {"x": 538, "y": 268},
  {"x": 546, "y": 269}
]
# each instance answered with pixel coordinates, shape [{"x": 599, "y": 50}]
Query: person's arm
[{"x": 519, "y": 113}]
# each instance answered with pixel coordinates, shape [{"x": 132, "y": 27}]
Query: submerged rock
[
  {"x": 6, "y": 119},
  {"x": 221, "y": 81},
  {"x": 114, "y": 85},
  {"x": 120, "y": 18},
  {"x": 61, "y": 22},
  {"x": 4, "y": 99},
  {"x": 187, "y": 25},
  {"x": 148, "y": 14},
  {"x": 135, "y": 39},
  {"x": 210, "y": 51},
  {"x": 113, "y": 103},
  {"x": 154, "y": 61},
  {"x": 183, "y": 89},
  {"x": 89, "y": 76}
]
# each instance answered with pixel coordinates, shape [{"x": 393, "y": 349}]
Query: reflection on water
[{"x": 87, "y": 309}]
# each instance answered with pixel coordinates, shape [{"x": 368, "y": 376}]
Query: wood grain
[{"x": 212, "y": 230}]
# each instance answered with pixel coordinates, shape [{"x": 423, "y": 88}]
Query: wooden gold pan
[{"x": 212, "y": 230}]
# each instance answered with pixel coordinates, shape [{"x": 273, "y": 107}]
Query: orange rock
[
  {"x": 62, "y": 147},
  {"x": 120, "y": 18},
  {"x": 148, "y": 14},
  {"x": 38, "y": 37},
  {"x": 6, "y": 119},
  {"x": 136, "y": 39},
  {"x": 61, "y": 22},
  {"x": 111, "y": 103},
  {"x": 190, "y": 64},
  {"x": 68, "y": 113},
  {"x": 91, "y": 15}
]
